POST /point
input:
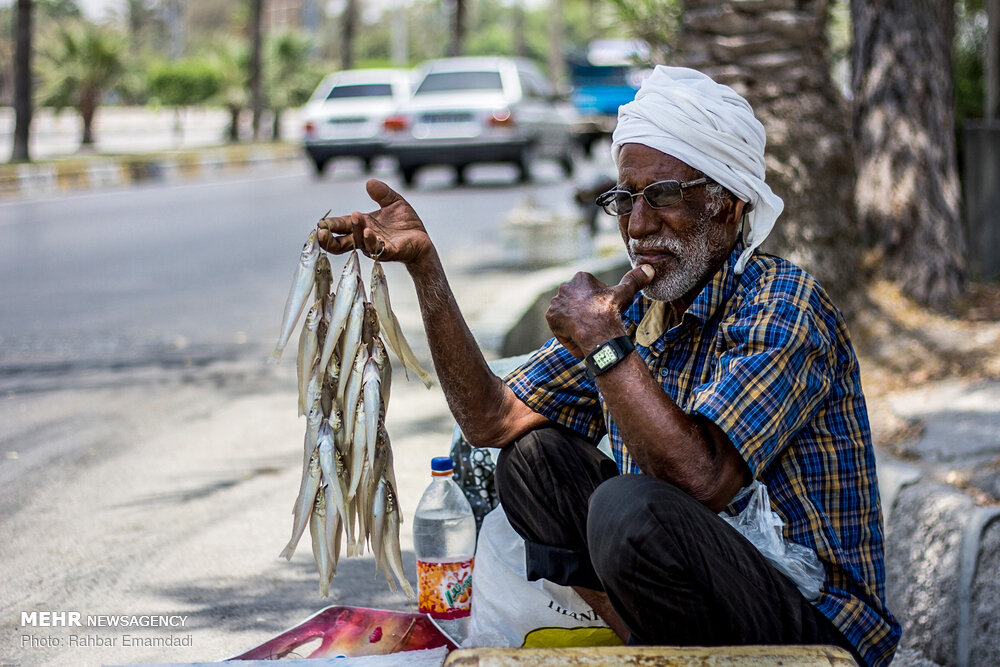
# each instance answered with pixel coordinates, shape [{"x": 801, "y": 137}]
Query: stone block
[
  {"x": 942, "y": 561},
  {"x": 984, "y": 630}
]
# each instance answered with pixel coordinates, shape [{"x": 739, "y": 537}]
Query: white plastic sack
[
  {"x": 762, "y": 526},
  {"x": 509, "y": 610}
]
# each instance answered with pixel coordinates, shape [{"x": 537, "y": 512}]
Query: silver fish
[
  {"x": 371, "y": 396},
  {"x": 308, "y": 342},
  {"x": 304, "y": 504},
  {"x": 390, "y": 325},
  {"x": 302, "y": 285},
  {"x": 390, "y": 540},
  {"x": 381, "y": 358},
  {"x": 324, "y": 280},
  {"x": 359, "y": 453},
  {"x": 352, "y": 391},
  {"x": 321, "y": 554},
  {"x": 342, "y": 303},
  {"x": 314, "y": 420},
  {"x": 351, "y": 341},
  {"x": 328, "y": 463},
  {"x": 329, "y": 392},
  {"x": 380, "y": 499}
]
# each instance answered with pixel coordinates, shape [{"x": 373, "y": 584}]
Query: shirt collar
[{"x": 712, "y": 297}]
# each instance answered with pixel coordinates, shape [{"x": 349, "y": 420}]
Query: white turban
[{"x": 685, "y": 114}]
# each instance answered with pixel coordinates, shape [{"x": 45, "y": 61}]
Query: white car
[
  {"x": 347, "y": 111},
  {"x": 480, "y": 109}
]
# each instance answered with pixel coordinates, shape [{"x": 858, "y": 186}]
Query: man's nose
[{"x": 643, "y": 220}]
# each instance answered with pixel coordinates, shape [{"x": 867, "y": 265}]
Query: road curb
[{"x": 100, "y": 171}]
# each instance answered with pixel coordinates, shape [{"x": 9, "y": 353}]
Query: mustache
[{"x": 635, "y": 246}]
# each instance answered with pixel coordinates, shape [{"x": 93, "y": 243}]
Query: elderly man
[{"x": 728, "y": 366}]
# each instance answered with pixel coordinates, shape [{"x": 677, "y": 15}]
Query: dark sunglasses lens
[{"x": 664, "y": 193}]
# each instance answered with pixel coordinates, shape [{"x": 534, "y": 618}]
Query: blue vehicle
[{"x": 607, "y": 77}]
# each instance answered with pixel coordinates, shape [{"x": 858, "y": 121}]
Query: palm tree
[
  {"x": 290, "y": 79},
  {"x": 80, "y": 64},
  {"x": 348, "y": 33},
  {"x": 22, "y": 83},
  {"x": 778, "y": 60},
  {"x": 908, "y": 196},
  {"x": 230, "y": 61}
]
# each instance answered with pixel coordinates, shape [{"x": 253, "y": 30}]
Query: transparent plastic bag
[{"x": 762, "y": 526}]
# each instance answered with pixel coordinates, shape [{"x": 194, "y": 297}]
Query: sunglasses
[{"x": 658, "y": 195}]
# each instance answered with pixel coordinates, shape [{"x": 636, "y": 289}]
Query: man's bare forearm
[{"x": 485, "y": 408}]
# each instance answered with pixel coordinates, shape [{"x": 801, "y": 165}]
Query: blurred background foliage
[{"x": 303, "y": 44}]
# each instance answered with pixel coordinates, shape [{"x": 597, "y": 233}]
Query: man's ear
[{"x": 737, "y": 210}]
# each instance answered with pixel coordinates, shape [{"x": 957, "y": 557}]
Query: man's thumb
[
  {"x": 381, "y": 193},
  {"x": 632, "y": 282}
]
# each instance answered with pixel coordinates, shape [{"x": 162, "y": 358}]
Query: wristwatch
[{"x": 606, "y": 355}]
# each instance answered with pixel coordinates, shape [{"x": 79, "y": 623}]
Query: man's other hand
[
  {"x": 586, "y": 312},
  {"x": 393, "y": 232}
]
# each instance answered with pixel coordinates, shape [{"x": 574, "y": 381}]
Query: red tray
[{"x": 352, "y": 631}]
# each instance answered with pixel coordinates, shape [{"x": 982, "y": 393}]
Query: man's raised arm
[{"x": 487, "y": 411}]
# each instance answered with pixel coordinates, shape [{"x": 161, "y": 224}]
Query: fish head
[
  {"x": 314, "y": 316},
  {"x": 310, "y": 250},
  {"x": 324, "y": 272}
]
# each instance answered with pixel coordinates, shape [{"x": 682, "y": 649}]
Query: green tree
[
  {"x": 230, "y": 61},
  {"x": 183, "y": 83},
  {"x": 290, "y": 77},
  {"x": 80, "y": 63}
]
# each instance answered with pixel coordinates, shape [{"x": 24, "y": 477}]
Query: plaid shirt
[{"x": 767, "y": 357}]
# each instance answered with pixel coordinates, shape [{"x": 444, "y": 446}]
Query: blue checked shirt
[{"x": 768, "y": 358}]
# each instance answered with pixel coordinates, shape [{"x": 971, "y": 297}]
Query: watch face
[{"x": 605, "y": 357}]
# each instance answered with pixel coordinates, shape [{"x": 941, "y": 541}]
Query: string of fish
[{"x": 348, "y": 483}]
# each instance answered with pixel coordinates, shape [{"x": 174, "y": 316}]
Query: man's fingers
[
  {"x": 334, "y": 234},
  {"x": 632, "y": 282}
]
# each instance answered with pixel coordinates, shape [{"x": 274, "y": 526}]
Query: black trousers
[{"x": 675, "y": 572}]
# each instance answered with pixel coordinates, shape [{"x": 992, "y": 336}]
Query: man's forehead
[{"x": 638, "y": 162}]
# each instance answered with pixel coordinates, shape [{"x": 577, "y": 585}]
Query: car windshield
[
  {"x": 441, "y": 82},
  {"x": 360, "y": 90}
]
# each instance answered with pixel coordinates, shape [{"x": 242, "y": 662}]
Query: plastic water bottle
[{"x": 444, "y": 539}]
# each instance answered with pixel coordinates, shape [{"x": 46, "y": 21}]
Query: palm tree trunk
[
  {"x": 776, "y": 59},
  {"x": 87, "y": 109},
  {"x": 456, "y": 45},
  {"x": 256, "y": 80},
  {"x": 234, "y": 124},
  {"x": 908, "y": 194},
  {"x": 348, "y": 31},
  {"x": 22, "y": 82}
]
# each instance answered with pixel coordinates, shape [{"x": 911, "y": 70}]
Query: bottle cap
[{"x": 441, "y": 465}]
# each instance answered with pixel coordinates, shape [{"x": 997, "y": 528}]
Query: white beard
[{"x": 695, "y": 259}]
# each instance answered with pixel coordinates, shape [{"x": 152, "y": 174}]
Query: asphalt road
[{"x": 148, "y": 456}]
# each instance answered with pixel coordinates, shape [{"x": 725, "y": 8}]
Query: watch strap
[{"x": 607, "y": 355}]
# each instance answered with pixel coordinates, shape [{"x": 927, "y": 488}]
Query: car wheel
[
  {"x": 524, "y": 164},
  {"x": 366, "y": 165},
  {"x": 409, "y": 175},
  {"x": 461, "y": 175},
  {"x": 320, "y": 164}
]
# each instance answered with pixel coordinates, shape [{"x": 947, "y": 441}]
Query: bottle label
[{"x": 445, "y": 589}]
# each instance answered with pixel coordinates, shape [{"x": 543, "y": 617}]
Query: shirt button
[{"x": 664, "y": 372}]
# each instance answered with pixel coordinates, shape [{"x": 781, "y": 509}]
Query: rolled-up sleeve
[{"x": 554, "y": 383}]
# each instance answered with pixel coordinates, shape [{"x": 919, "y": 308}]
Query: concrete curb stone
[{"x": 100, "y": 171}]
